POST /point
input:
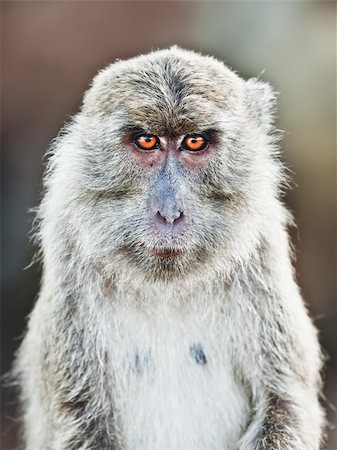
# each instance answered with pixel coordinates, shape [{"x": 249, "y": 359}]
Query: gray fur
[{"x": 107, "y": 361}]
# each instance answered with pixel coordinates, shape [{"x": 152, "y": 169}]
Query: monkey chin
[{"x": 163, "y": 263}]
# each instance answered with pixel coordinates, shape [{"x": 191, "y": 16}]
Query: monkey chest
[{"x": 174, "y": 386}]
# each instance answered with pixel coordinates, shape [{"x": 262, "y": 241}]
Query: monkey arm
[
  {"x": 58, "y": 356},
  {"x": 283, "y": 422},
  {"x": 284, "y": 375}
]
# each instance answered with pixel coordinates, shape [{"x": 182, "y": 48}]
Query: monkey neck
[{"x": 266, "y": 269}]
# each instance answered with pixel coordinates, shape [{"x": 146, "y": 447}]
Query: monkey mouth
[{"x": 164, "y": 252}]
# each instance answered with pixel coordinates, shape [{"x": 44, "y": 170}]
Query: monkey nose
[{"x": 170, "y": 217}]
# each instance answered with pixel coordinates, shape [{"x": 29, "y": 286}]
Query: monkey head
[{"x": 169, "y": 167}]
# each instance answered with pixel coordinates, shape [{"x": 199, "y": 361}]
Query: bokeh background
[{"x": 51, "y": 51}]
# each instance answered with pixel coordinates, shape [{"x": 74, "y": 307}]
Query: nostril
[
  {"x": 160, "y": 218},
  {"x": 173, "y": 218},
  {"x": 179, "y": 218}
]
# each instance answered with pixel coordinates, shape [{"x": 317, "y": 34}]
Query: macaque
[{"x": 168, "y": 316}]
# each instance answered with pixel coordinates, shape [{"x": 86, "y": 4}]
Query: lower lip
[{"x": 166, "y": 252}]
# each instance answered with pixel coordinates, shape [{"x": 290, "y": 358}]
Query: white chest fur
[{"x": 174, "y": 384}]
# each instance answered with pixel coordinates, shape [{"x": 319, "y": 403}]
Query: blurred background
[{"x": 50, "y": 52}]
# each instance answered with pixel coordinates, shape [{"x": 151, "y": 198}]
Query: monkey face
[{"x": 175, "y": 165}]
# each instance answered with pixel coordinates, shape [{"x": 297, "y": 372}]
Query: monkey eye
[
  {"x": 194, "y": 143},
  {"x": 147, "y": 142}
]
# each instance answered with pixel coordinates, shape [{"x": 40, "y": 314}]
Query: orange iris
[
  {"x": 194, "y": 143},
  {"x": 147, "y": 142}
]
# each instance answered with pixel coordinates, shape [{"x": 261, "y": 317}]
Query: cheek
[
  {"x": 145, "y": 158},
  {"x": 197, "y": 160}
]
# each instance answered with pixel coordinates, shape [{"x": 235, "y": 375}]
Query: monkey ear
[{"x": 262, "y": 102}]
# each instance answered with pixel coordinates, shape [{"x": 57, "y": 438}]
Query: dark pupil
[
  {"x": 148, "y": 139},
  {"x": 194, "y": 140}
]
